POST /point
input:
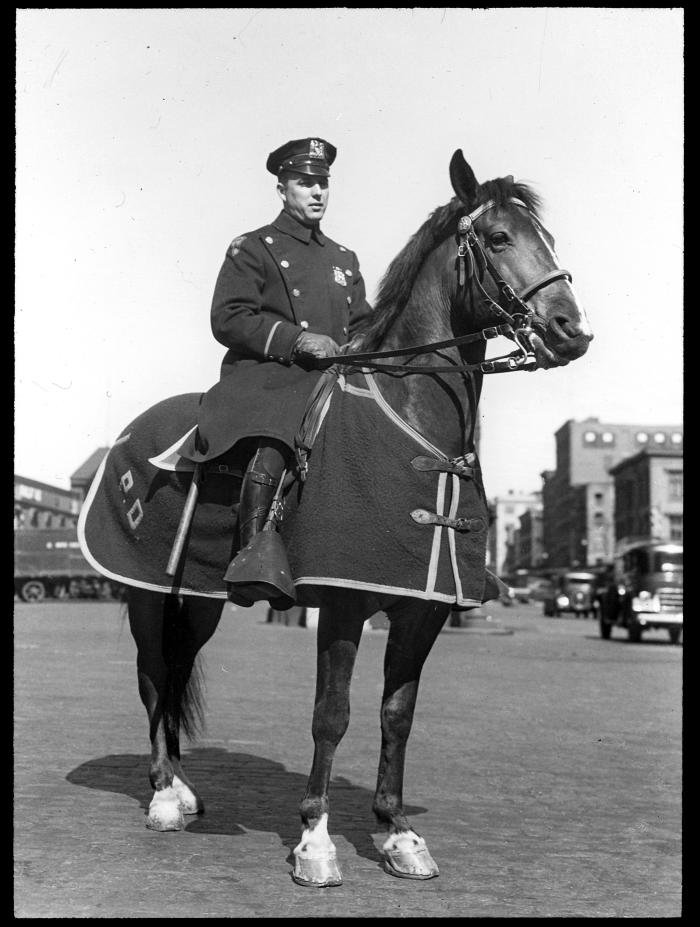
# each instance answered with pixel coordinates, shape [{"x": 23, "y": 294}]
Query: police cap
[{"x": 303, "y": 155}]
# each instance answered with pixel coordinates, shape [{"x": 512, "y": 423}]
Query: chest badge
[{"x": 339, "y": 276}]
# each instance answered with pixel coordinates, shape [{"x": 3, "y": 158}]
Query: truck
[
  {"x": 49, "y": 565},
  {"x": 645, "y": 592}
]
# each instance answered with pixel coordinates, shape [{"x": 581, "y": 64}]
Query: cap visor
[{"x": 306, "y": 167}]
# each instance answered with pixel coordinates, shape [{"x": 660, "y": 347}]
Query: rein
[{"x": 518, "y": 324}]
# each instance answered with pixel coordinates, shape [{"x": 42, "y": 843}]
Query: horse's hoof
[
  {"x": 316, "y": 873},
  {"x": 164, "y": 812},
  {"x": 189, "y": 801},
  {"x": 416, "y": 863}
]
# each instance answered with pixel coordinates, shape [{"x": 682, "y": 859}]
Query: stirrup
[{"x": 260, "y": 572}]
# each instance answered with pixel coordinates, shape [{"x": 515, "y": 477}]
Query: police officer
[{"x": 286, "y": 296}]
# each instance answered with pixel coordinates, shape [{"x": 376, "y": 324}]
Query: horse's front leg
[
  {"x": 338, "y": 637},
  {"x": 168, "y": 635},
  {"x": 414, "y": 627}
]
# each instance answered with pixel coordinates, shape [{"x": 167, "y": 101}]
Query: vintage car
[
  {"x": 646, "y": 591},
  {"x": 574, "y": 592}
]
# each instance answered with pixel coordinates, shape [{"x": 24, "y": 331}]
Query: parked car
[
  {"x": 646, "y": 591},
  {"x": 571, "y": 592},
  {"x": 540, "y": 588}
]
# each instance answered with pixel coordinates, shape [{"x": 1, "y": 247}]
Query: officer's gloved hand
[{"x": 310, "y": 345}]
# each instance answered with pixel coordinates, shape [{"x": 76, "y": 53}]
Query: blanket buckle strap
[
  {"x": 423, "y": 517},
  {"x": 458, "y": 465}
]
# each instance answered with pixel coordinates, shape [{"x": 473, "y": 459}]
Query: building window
[
  {"x": 642, "y": 437},
  {"x": 660, "y": 437},
  {"x": 676, "y": 438},
  {"x": 608, "y": 437},
  {"x": 675, "y": 484},
  {"x": 590, "y": 437},
  {"x": 675, "y": 526}
]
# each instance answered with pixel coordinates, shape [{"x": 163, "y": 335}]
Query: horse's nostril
[{"x": 564, "y": 328}]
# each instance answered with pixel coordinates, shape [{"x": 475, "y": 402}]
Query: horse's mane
[{"x": 397, "y": 283}]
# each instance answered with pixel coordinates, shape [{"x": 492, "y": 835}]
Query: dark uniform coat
[{"x": 275, "y": 283}]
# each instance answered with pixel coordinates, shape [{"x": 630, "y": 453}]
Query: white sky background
[{"x": 142, "y": 137}]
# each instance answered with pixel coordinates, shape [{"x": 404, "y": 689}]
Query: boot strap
[{"x": 264, "y": 479}]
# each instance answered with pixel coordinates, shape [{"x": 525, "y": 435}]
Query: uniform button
[
  {"x": 304, "y": 324},
  {"x": 268, "y": 240},
  {"x": 345, "y": 331},
  {"x": 296, "y": 292},
  {"x": 349, "y": 299},
  {"x": 284, "y": 263},
  {"x": 341, "y": 248},
  {"x": 349, "y": 273}
]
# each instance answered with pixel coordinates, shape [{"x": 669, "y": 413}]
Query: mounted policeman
[{"x": 286, "y": 296}]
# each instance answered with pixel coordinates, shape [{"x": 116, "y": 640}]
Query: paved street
[{"x": 544, "y": 771}]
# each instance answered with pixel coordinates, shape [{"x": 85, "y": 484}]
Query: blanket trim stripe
[
  {"x": 400, "y": 423},
  {"x": 353, "y": 390},
  {"x": 377, "y": 587},
  {"x": 451, "y": 535},
  {"x": 437, "y": 535}
]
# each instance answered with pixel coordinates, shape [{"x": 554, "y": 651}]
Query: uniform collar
[{"x": 288, "y": 224}]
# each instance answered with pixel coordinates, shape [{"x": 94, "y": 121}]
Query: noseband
[{"x": 511, "y": 307}]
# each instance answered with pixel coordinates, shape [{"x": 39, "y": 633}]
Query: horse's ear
[{"x": 462, "y": 178}]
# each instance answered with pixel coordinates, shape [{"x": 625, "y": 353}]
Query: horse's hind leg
[
  {"x": 168, "y": 633},
  {"x": 414, "y": 627},
  {"x": 338, "y": 637}
]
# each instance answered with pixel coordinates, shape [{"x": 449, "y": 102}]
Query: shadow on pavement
[{"x": 242, "y": 792}]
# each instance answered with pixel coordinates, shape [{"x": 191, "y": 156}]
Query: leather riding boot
[
  {"x": 257, "y": 493},
  {"x": 260, "y": 483}
]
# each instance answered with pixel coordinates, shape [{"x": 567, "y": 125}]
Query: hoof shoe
[
  {"x": 410, "y": 864},
  {"x": 316, "y": 873}
]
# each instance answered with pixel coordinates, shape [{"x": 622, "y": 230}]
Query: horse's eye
[{"x": 499, "y": 239}]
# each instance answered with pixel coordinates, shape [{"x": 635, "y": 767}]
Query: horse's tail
[{"x": 183, "y": 704}]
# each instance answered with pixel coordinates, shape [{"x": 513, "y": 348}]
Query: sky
[{"x": 141, "y": 141}]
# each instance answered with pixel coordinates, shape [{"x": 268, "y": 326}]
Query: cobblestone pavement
[{"x": 544, "y": 771}]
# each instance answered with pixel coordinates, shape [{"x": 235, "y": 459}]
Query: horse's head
[{"x": 510, "y": 256}]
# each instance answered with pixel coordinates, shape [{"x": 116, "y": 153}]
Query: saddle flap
[{"x": 171, "y": 459}]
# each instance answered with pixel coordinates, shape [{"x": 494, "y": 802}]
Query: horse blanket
[{"x": 349, "y": 525}]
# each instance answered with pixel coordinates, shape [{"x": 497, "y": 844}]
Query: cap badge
[
  {"x": 339, "y": 276},
  {"x": 317, "y": 149}
]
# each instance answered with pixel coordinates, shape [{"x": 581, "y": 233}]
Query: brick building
[
  {"x": 528, "y": 544},
  {"x": 41, "y": 505},
  {"x": 649, "y": 496},
  {"x": 505, "y": 513},
  {"x": 579, "y": 495}
]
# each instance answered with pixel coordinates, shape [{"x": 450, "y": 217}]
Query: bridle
[{"x": 519, "y": 318}]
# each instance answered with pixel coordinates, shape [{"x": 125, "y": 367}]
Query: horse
[{"x": 480, "y": 266}]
